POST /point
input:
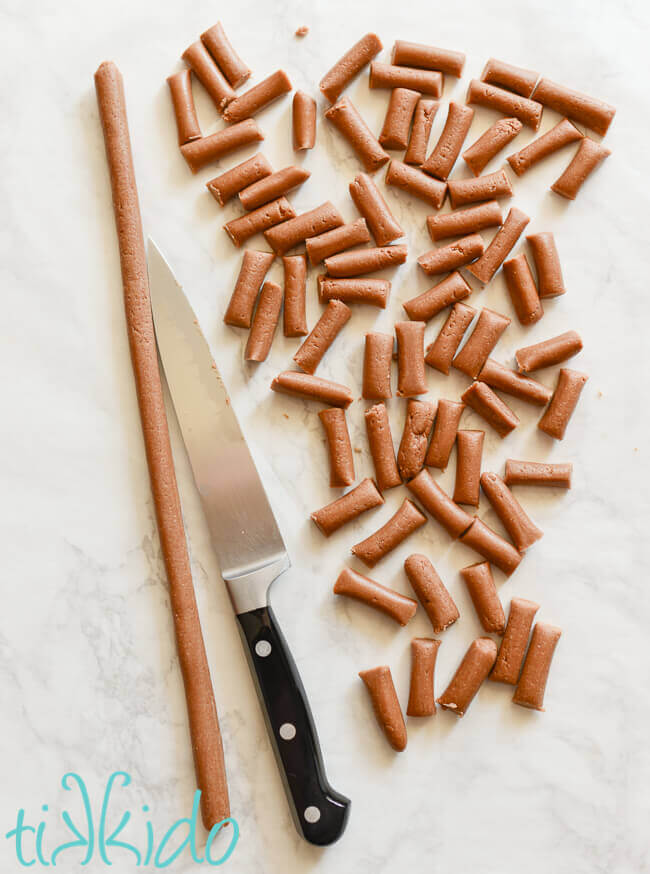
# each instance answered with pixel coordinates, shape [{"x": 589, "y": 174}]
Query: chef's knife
[{"x": 249, "y": 547}]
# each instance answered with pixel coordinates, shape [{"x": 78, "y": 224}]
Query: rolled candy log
[
  {"x": 380, "y": 686},
  {"x": 491, "y": 546},
  {"x": 258, "y": 97},
  {"x": 490, "y": 143},
  {"x": 373, "y": 292},
  {"x": 464, "y": 221},
  {"x": 521, "y": 529},
  {"x": 441, "y": 161},
  {"x": 346, "y": 119},
  {"x": 448, "y": 291},
  {"x": 411, "y": 378},
  {"x": 512, "y": 383},
  {"x": 413, "y": 54},
  {"x": 397, "y": 123},
  {"x": 425, "y": 112},
  {"x": 382, "y": 450},
  {"x": 273, "y": 186},
  {"x": 416, "y": 182},
  {"x": 349, "y": 66},
  {"x": 198, "y": 153},
  {"x": 348, "y": 507},
  {"x": 265, "y": 322},
  {"x": 335, "y": 315},
  {"x": 452, "y": 256},
  {"x": 563, "y": 403},
  {"x": 377, "y": 360},
  {"x": 586, "y": 159},
  {"x": 522, "y": 290},
  {"x": 303, "y": 121},
  {"x": 337, "y": 240},
  {"x": 444, "y": 433},
  {"x": 187, "y": 124},
  {"x": 490, "y": 407},
  {"x": 400, "y": 526},
  {"x": 528, "y": 111},
  {"x": 361, "y": 261},
  {"x": 510, "y": 77},
  {"x": 298, "y": 228},
  {"x": 445, "y": 346},
  {"x": 431, "y": 592},
  {"x": 415, "y": 437},
  {"x": 488, "y": 187},
  {"x": 548, "y": 352},
  {"x": 469, "y": 448},
  {"x": 391, "y": 76},
  {"x": 230, "y": 183},
  {"x": 369, "y": 201},
  {"x": 438, "y": 504},
  {"x": 500, "y": 247},
  {"x": 537, "y": 473},
  {"x": 515, "y": 641},
  {"x": 550, "y": 282},
  {"x": 246, "y": 226},
  {"x": 254, "y": 267},
  {"x": 312, "y": 388},
  {"x": 209, "y": 75},
  {"x": 295, "y": 283},
  {"x": 480, "y": 585},
  {"x": 594, "y": 114},
  {"x": 552, "y": 141},
  {"x": 486, "y": 334},
  {"x": 423, "y": 664},
  {"x": 226, "y": 58},
  {"x": 474, "y": 668},
  {"x": 339, "y": 446},
  {"x": 534, "y": 674},
  {"x": 388, "y": 601}
]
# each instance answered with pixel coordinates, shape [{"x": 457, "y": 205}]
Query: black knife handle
[{"x": 320, "y": 813}]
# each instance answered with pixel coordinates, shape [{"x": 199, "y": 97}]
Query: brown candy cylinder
[
  {"x": 515, "y": 641},
  {"x": 594, "y": 114},
  {"x": 564, "y": 401},
  {"x": 258, "y": 97},
  {"x": 500, "y": 247},
  {"x": 380, "y": 686},
  {"x": 469, "y": 449},
  {"x": 335, "y": 315},
  {"x": 388, "y": 601},
  {"x": 198, "y": 153},
  {"x": 349, "y": 66},
  {"x": 312, "y": 388},
  {"x": 529, "y": 112},
  {"x": 423, "y": 663},
  {"x": 491, "y": 546},
  {"x": 548, "y": 352},
  {"x": 303, "y": 121},
  {"x": 337, "y": 240},
  {"x": 510, "y": 77},
  {"x": 416, "y": 182},
  {"x": 361, "y": 261},
  {"x": 423, "y": 117},
  {"x": 438, "y": 503},
  {"x": 411, "y": 379},
  {"x": 226, "y": 58},
  {"x": 556, "y": 138},
  {"x": 397, "y": 123},
  {"x": 486, "y": 334},
  {"x": 444, "y": 347},
  {"x": 369, "y": 201},
  {"x": 487, "y": 187},
  {"x": 490, "y": 143},
  {"x": 448, "y": 291},
  {"x": 390, "y": 76},
  {"x": 254, "y": 267},
  {"x": 413, "y": 54},
  {"x": 550, "y": 282},
  {"x": 264, "y": 323},
  {"x": 534, "y": 675},
  {"x": 381, "y": 447},
  {"x": 480, "y": 585},
  {"x": 373, "y": 292},
  {"x": 347, "y": 120},
  {"x": 339, "y": 447},
  {"x": 431, "y": 592},
  {"x": 225, "y": 186},
  {"x": 295, "y": 282},
  {"x": 444, "y": 433},
  {"x": 512, "y": 383},
  {"x": 273, "y": 186},
  {"x": 464, "y": 221},
  {"x": 299, "y": 228},
  {"x": 246, "y": 226},
  {"x": 474, "y": 668},
  {"x": 187, "y": 124},
  {"x": 585, "y": 161},
  {"x": 348, "y": 507},
  {"x": 520, "y": 527},
  {"x": 209, "y": 75},
  {"x": 415, "y": 437},
  {"x": 387, "y": 538},
  {"x": 490, "y": 407},
  {"x": 441, "y": 161},
  {"x": 377, "y": 360},
  {"x": 522, "y": 290},
  {"x": 537, "y": 473},
  {"x": 452, "y": 256}
]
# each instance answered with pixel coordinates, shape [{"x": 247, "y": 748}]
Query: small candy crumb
[
  {"x": 302, "y": 31},
  {"x": 285, "y": 415}
]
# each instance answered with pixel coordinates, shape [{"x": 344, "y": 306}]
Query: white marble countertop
[{"x": 90, "y": 681}]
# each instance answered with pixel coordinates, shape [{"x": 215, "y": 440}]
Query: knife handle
[{"x": 320, "y": 813}]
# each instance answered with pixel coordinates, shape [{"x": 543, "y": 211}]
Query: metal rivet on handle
[
  {"x": 287, "y": 731},
  {"x": 263, "y": 648},
  {"x": 312, "y": 814}
]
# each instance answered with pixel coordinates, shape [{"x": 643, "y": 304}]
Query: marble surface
[{"x": 90, "y": 681}]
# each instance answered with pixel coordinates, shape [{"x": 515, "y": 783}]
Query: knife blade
[{"x": 249, "y": 547}]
